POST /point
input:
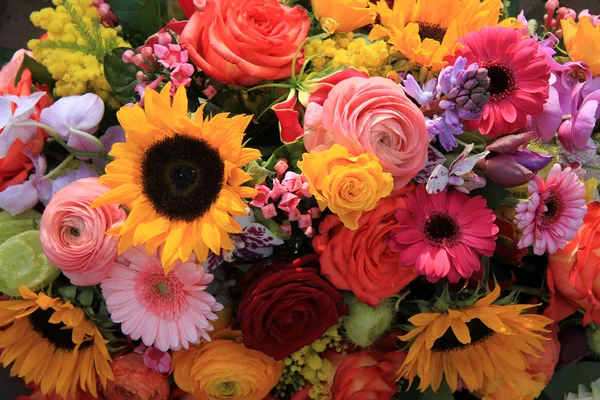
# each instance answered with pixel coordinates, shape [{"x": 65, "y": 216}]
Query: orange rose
[
  {"x": 134, "y": 380},
  {"x": 574, "y": 273},
  {"x": 245, "y": 42},
  {"x": 360, "y": 260}
]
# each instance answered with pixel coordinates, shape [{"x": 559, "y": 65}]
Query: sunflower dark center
[
  {"x": 555, "y": 207},
  {"x": 502, "y": 79},
  {"x": 448, "y": 342},
  {"x": 60, "y": 337},
  {"x": 182, "y": 176},
  {"x": 441, "y": 230},
  {"x": 431, "y": 31}
]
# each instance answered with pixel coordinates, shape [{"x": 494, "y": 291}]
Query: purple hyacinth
[
  {"x": 466, "y": 89},
  {"x": 459, "y": 93}
]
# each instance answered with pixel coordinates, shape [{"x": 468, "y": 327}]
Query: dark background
[{"x": 16, "y": 30}]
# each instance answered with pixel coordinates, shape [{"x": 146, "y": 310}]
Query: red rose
[
  {"x": 246, "y": 41},
  {"x": 365, "y": 376},
  {"x": 287, "y": 306},
  {"x": 360, "y": 260}
]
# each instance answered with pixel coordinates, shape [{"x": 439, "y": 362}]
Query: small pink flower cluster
[
  {"x": 288, "y": 191},
  {"x": 151, "y": 59},
  {"x": 552, "y": 7}
]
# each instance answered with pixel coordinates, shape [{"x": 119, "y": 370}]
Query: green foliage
[
  {"x": 270, "y": 224},
  {"x": 443, "y": 393},
  {"x": 94, "y": 45},
  {"x": 568, "y": 379},
  {"x": 144, "y": 17},
  {"x": 493, "y": 194},
  {"x": 39, "y": 73},
  {"x": 292, "y": 152},
  {"x": 120, "y": 76}
]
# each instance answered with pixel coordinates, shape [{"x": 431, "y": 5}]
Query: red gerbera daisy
[
  {"x": 519, "y": 77},
  {"x": 444, "y": 234}
]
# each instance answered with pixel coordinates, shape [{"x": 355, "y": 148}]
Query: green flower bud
[{"x": 365, "y": 324}]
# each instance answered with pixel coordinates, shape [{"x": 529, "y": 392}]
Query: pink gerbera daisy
[
  {"x": 444, "y": 234},
  {"x": 554, "y": 213},
  {"x": 167, "y": 311},
  {"x": 519, "y": 77}
]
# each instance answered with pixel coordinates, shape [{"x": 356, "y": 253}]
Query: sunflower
[
  {"x": 52, "y": 344},
  {"x": 484, "y": 345},
  {"x": 425, "y": 32},
  {"x": 180, "y": 177}
]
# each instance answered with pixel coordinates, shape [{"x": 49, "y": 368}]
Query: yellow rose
[
  {"x": 348, "y": 185},
  {"x": 582, "y": 41},
  {"x": 225, "y": 369},
  {"x": 343, "y": 15}
]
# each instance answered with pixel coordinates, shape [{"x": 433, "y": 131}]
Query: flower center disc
[
  {"x": 555, "y": 207},
  {"x": 502, "y": 80},
  {"x": 57, "y": 334},
  {"x": 182, "y": 177},
  {"x": 431, "y": 31},
  {"x": 441, "y": 230},
  {"x": 448, "y": 341}
]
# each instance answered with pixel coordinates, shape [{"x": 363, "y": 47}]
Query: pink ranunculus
[
  {"x": 371, "y": 115},
  {"x": 73, "y": 234}
]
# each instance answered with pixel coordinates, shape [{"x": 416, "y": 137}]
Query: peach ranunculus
[
  {"x": 225, "y": 368},
  {"x": 246, "y": 42},
  {"x": 73, "y": 233},
  {"x": 343, "y": 15},
  {"x": 574, "y": 275},
  {"x": 360, "y": 260},
  {"x": 348, "y": 185},
  {"x": 371, "y": 115},
  {"x": 134, "y": 380}
]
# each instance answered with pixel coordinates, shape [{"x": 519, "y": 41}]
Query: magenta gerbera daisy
[
  {"x": 519, "y": 77},
  {"x": 554, "y": 213},
  {"x": 167, "y": 311},
  {"x": 444, "y": 234}
]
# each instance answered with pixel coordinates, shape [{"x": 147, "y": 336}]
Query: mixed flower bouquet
[{"x": 336, "y": 199}]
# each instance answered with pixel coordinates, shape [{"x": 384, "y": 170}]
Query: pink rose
[
  {"x": 371, "y": 115},
  {"x": 73, "y": 234}
]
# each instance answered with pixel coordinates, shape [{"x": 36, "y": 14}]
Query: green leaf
[
  {"x": 567, "y": 379},
  {"x": 443, "y": 393},
  {"x": 292, "y": 152},
  {"x": 120, "y": 76},
  {"x": 68, "y": 292},
  {"x": 86, "y": 297},
  {"x": 23, "y": 262},
  {"x": 258, "y": 173},
  {"x": 39, "y": 73},
  {"x": 270, "y": 224},
  {"x": 150, "y": 15},
  {"x": 493, "y": 194},
  {"x": 128, "y": 12}
]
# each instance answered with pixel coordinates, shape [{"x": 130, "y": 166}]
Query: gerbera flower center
[
  {"x": 441, "y": 230},
  {"x": 555, "y": 207},
  {"x": 448, "y": 342},
  {"x": 162, "y": 295},
  {"x": 431, "y": 31},
  {"x": 58, "y": 334},
  {"x": 182, "y": 177},
  {"x": 502, "y": 79}
]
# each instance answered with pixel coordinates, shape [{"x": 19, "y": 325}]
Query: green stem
[
  {"x": 279, "y": 100},
  {"x": 58, "y": 139},
  {"x": 509, "y": 201},
  {"x": 591, "y": 167},
  {"x": 271, "y": 85},
  {"x": 93, "y": 138},
  {"x": 306, "y": 62},
  {"x": 63, "y": 164}
]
